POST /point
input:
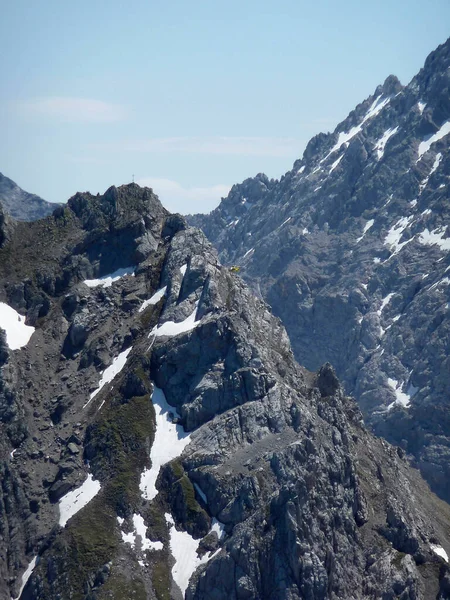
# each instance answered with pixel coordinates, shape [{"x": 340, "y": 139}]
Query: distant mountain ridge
[
  {"x": 22, "y": 205},
  {"x": 351, "y": 250}
]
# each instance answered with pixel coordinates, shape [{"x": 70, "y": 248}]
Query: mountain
[
  {"x": 22, "y": 205},
  {"x": 159, "y": 440},
  {"x": 351, "y": 250}
]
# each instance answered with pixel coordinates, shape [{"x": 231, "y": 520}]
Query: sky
[{"x": 190, "y": 97}]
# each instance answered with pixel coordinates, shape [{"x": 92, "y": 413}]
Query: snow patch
[
  {"x": 170, "y": 441},
  {"x": 284, "y": 222},
  {"x": 421, "y": 106},
  {"x": 335, "y": 164},
  {"x": 184, "y": 549},
  {"x": 108, "y": 280},
  {"x": 425, "y": 145},
  {"x": 110, "y": 372},
  {"x": 75, "y": 500},
  {"x": 367, "y": 226},
  {"x": 401, "y": 398},
  {"x": 252, "y": 249},
  {"x": 305, "y": 231},
  {"x": 377, "y": 105},
  {"x": 381, "y": 143},
  {"x": 218, "y": 527},
  {"x": 17, "y": 333},
  {"x": 395, "y": 233},
  {"x": 183, "y": 269},
  {"x": 301, "y": 169},
  {"x": 170, "y": 328},
  {"x": 154, "y": 299},
  {"x": 439, "y": 550},
  {"x": 26, "y": 576},
  {"x": 444, "y": 281},
  {"x": 424, "y": 183},
  {"x": 385, "y": 301},
  {"x": 140, "y": 530},
  {"x": 436, "y": 163},
  {"x": 436, "y": 236}
]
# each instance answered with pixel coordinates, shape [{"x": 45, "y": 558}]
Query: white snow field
[
  {"x": 426, "y": 144},
  {"x": 75, "y": 500},
  {"x": 17, "y": 333},
  {"x": 435, "y": 237},
  {"x": 170, "y": 328},
  {"x": 439, "y": 550},
  {"x": 377, "y": 106},
  {"x": 395, "y": 233},
  {"x": 154, "y": 299},
  {"x": 108, "y": 280},
  {"x": 367, "y": 226},
  {"x": 140, "y": 530},
  {"x": 381, "y": 143},
  {"x": 110, "y": 372},
  {"x": 26, "y": 576},
  {"x": 184, "y": 549},
  {"x": 401, "y": 398},
  {"x": 170, "y": 441}
]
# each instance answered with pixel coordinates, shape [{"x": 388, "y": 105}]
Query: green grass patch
[
  {"x": 161, "y": 579},
  {"x": 119, "y": 587}
]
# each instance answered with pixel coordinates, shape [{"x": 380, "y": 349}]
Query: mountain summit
[
  {"x": 159, "y": 440},
  {"x": 351, "y": 250}
]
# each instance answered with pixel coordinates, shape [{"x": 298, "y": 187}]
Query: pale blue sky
[{"x": 190, "y": 96}]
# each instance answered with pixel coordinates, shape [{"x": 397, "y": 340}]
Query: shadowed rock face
[
  {"x": 310, "y": 503},
  {"x": 351, "y": 248},
  {"x": 22, "y": 205}
]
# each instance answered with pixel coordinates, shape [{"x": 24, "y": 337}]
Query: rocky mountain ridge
[
  {"x": 351, "y": 250},
  {"x": 160, "y": 441},
  {"x": 22, "y": 205}
]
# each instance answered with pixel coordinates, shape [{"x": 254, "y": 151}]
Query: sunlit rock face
[
  {"x": 351, "y": 249},
  {"x": 159, "y": 439}
]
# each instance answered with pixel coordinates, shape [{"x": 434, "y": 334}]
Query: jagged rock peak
[
  {"x": 390, "y": 87},
  {"x": 439, "y": 59},
  {"x": 125, "y": 203},
  {"x": 351, "y": 250}
]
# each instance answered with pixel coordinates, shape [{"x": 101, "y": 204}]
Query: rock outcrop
[{"x": 162, "y": 441}]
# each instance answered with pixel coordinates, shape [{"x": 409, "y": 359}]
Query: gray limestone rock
[{"x": 351, "y": 250}]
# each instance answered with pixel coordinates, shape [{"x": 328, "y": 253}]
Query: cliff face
[
  {"x": 160, "y": 441},
  {"x": 351, "y": 250}
]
